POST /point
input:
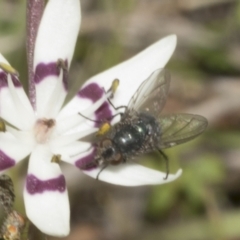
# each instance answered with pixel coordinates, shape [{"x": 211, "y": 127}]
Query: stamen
[
  {"x": 8, "y": 69},
  {"x": 74, "y": 120},
  {"x": 71, "y": 150},
  {"x": 90, "y": 111},
  {"x": 61, "y": 64},
  {"x": 56, "y": 158},
  {"x": 113, "y": 88},
  {"x": 87, "y": 114},
  {"x": 19, "y": 106},
  {"x": 2, "y": 126},
  {"x": 23, "y": 136},
  {"x": 57, "y": 97},
  {"x": 68, "y": 139}
]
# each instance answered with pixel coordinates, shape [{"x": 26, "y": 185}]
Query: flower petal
[
  {"x": 15, "y": 107},
  {"x": 83, "y": 160},
  {"x": 45, "y": 194},
  {"x": 131, "y": 74},
  {"x": 76, "y": 123},
  {"x": 11, "y": 150},
  {"x": 70, "y": 150},
  {"x": 127, "y": 174},
  {"x": 131, "y": 174},
  {"x": 56, "y": 40},
  {"x": 64, "y": 140}
]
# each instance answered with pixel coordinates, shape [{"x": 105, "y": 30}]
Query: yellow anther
[
  {"x": 103, "y": 129},
  {"x": 8, "y": 69},
  {"x": 62, "y": 64},
  {"x": 56, "y": 158},
  {"x": 114, "y": 86},
  {"x": 2, "y": 126}
]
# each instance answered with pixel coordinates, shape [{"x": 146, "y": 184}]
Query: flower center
[{"x": 43, "y": 129}]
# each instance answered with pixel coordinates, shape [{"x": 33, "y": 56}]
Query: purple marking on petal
[
  {"x": 16, "y": 81},
  {"x": 104, "y": 112},
  {"x": 92, "y": 91},
  {"x": 35, "y": 185},
  {"x": 5, "y": 161},
  {"x": 3, "y": 79},
  {"x": 87, "y": 162},
  {"x": 43, "y": 70},
  {"x": 4, "y": 83},
  {"x": 51, "y": 69}
]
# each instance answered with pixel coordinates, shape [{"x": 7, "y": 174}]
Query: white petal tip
[
  {"x": 132, "y": 175},
  {"x": 173, "y": 36},
  {"x": 3, "y": 59},
  {"x": 178, "y": 173},
  {"x": 170, "y": 40},
  {"x": 49, "y": 212}
]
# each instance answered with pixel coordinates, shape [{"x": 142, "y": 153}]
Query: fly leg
[
  {"x": 103, "y": 167},
  {"x": 101, "y": 121},
  {"x": 112, "y": 89},
  {"x": 166, "y": 161},
  {"x": 116, "y": 108},
  {"x": 109, "y": 118},
  {"x": 96, "y": 121}
]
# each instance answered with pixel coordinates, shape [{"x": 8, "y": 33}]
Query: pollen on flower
[{"x": 43, "y": 129}]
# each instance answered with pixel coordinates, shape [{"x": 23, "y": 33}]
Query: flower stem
[{"x": 34, "y": 14}]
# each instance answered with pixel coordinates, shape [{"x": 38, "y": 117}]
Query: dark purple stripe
[
  {"x": 43, "y": 70},
  {"x": 92, "y": 91},
  {"x": 87, "y": 162},
  {"x": 103, "y": 113},
  {"x": 50, "y": 69},
  {"x": 5, "y": 161},
  {"x": 4, "y": 83},
  {"x": 35, "y": 185}
]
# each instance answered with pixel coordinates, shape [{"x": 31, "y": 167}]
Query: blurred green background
[{"x": 205, "y": 202}]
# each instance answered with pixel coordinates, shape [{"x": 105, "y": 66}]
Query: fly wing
[
  {"x": 152, "y": 94},
  {"x": 180, "y": 128}
]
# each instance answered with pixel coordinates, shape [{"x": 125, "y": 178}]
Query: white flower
[{"x": 38, "y": 127}]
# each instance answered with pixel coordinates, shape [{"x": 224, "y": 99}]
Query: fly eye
[
  {"x": 106, "y": 143},
  {"x": 117, "y": 158}
]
